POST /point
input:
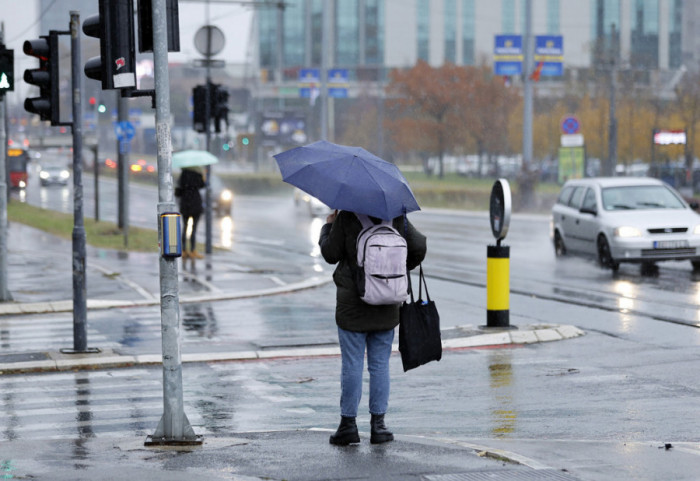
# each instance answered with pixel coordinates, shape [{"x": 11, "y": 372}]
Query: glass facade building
[{"x": 370, "y": 37}]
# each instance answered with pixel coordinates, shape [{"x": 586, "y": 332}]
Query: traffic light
[
  {"x": 114, "y": 26},
  {"x": 200, "y": 123},
  {"x": 45, "y": 77},
  {"x": 145, "y": 21},
  {"x": 7, "y": 70},
  {"x": 246, "y": 140},
  {"x": 219, "y": 106}
]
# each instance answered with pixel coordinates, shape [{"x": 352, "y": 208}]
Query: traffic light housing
[
  {"x": 45, "y": 77},
  {"x": 145, "y": 23},
  {"x": 114, "y": 26},
  {"x": 7, "y": 70},
  {"x": 219, "y": 106},
  {"x": 200, "y": 123}
]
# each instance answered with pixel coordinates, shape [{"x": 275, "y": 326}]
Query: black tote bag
[{"x": 419, "y": 329}]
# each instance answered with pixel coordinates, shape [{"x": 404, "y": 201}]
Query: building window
[
  {"x": 267, "y": 25},
  {"x": 316, "y": 32},
  {"x": 552, "y": 17},
  {"x": 605, "y": 30},
  {"x": 674, "y": 42},
  {"x": 423, "y": 17},
  {"x": 294, "y": 37},
  {"x": 645, "y": 34},
  {"x": 347, "y": 32},
  {"x": 374, "y": 32},
  {"x": 508, "y": 19},
  {"x": 468, "y": 22},
  {"x": 450, "y": 16}
]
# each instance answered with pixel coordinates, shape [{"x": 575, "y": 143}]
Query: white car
[
  {"x": 625, "y": 219},
  {"x": 315, "y": 207}
]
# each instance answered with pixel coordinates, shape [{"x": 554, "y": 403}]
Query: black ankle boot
[
  {"x": 346, "y": 433},
  {"x": 380, "y": 434}
]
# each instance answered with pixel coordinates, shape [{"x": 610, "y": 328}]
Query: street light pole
[{"x": 174, "y": 427}]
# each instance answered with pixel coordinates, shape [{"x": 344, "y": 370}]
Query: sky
[{"x": 234, "y": 20}]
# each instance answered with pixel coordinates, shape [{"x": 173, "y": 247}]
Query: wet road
[{"x": 457, "y": 251}]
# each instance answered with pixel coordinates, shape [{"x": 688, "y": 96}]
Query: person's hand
[{"x": 331, "y": 217}]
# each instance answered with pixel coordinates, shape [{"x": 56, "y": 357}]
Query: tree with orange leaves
[{"x": 424, "y": 103}]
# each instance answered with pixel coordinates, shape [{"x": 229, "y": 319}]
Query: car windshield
[{"x": 640, "y": 197}]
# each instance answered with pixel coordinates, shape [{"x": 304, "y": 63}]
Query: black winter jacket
[
  {"x": 338, "y": 243},
  {"x": 188, "y": 193}
]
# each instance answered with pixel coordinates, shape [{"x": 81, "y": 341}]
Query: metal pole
[
  {"x": 324, "y": 70},
  {"x": 174, "y": 427},
  {"x": 527, "y": 105},
  {"x": 207, "y": 113},
  {"x": 4, "y": 292},
  {"x": 96, "y": 178},
  {"x": 79, "y": 283},
  {"x": 123, "y": 169}
]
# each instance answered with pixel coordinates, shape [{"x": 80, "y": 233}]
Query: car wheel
[
  {"x": 559, "y": 247},
  {"x": 696, "y": 265},
  {"x": 604, "y": 256}
]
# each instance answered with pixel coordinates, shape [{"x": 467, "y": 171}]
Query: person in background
[
  {"x": 362, "y": 326},
  {"x": 190, "y": 182}
]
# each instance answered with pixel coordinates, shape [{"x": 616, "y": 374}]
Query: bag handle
[{"x": 421, "y": 284}]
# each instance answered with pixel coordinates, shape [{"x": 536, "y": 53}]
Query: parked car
[
  {"x": 311, "y": 204},
  {"x": 625, "y": 219},
  {"x": 54, "y": 175}
]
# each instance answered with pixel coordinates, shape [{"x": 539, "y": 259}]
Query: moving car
[
  {"x": 54, "y": 175},
  {"x": 625, "y": 219},
  {"x": 315, "y": 207},
  {"x": 221, "y": 197}
]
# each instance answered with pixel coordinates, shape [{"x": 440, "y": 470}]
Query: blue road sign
[
  {"x": 337, "y": 83},
  {"x": 549, "y": 49},
  {"x": 309, "y": 76},
  {"x": 508, "y": 55},
  {"x": 124, "y": 131},
  {"x": 570, "y": 125}
]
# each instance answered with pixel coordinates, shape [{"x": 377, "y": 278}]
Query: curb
[
  {"x": 95, "y": 304},
  {"x": 525, "y": 335}
]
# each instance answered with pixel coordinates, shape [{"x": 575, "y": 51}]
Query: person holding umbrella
[
  {"x": 355, "y": 181},
  {"x": 191, "y": 207}
]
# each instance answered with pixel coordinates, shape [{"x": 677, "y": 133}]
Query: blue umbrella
[{"x": 348, "y": 178}]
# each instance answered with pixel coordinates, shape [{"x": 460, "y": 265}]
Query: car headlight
[
  {"x": 226, "y": 195},
  {"x": 43, "y": 174},
  {"x": 626, "y": 231},
  {"x": 65, "y": 174},
  {"x": 696, "y": 231}
]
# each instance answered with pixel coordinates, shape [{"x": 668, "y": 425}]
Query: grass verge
[{"x": 98, "y": 234}]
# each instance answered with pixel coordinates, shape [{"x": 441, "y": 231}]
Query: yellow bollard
[{"x": 498, "y": 286}]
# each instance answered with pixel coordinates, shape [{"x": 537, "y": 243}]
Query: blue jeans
[{"x": 352, "y": 348}]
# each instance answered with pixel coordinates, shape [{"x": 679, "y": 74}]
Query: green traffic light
[
  {"x": 226, "y": 147},
  {"x": 245, "y": 140},
  {"x": 102, "y": 108}
]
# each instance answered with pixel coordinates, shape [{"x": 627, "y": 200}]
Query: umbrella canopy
[
  {"x": 193, "y": 158},
  {"x": 348, "y": 178}
]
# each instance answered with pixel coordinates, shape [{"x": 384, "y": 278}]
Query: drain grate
[{"x": 504, "y": 475}]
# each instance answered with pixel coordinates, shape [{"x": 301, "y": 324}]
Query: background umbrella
[
  {"x": 348, "y": 178},
  {"x": 193, "y": 158}
]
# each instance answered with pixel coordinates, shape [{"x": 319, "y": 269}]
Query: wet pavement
[{"x": 265, "y": 414}]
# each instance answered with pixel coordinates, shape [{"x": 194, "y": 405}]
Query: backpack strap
[{"x": 367, "y": 222}]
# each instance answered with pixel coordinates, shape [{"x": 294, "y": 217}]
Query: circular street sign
[
  {"x": 499, "y": 210},
  {"x": 570, "y": 125},
  {"x": 209, "y": 40}
]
